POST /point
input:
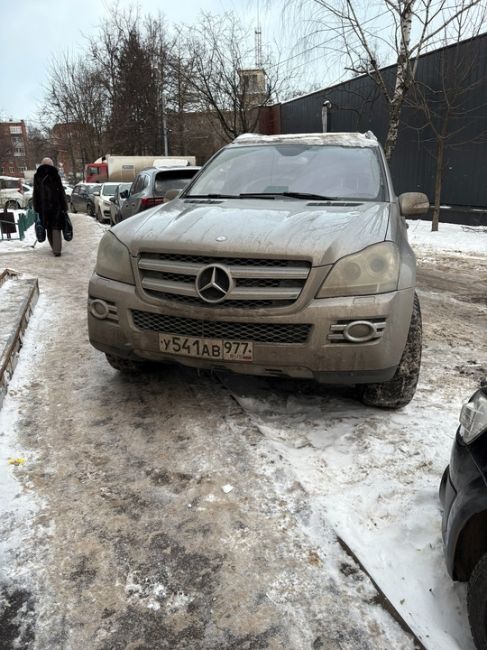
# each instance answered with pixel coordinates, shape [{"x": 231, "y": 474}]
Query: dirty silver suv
[{"x": 286, "y": 255}]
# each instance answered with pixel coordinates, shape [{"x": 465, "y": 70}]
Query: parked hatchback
[
  {"x": 102, "y": 196},
  {"x": 12, "y": 194},
  {"x": 81, "y": 198},
  {"x": 463, "y": 494},
  {"x": 286, "y": 256},
  {"x": 150, "y": 186},
  {"x": 116, "y": 202}
]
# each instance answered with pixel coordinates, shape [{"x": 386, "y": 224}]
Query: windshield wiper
[
  {"x": 292, "y": 195},
  {"x": 212, "y": 196},
  {"x": 263, "y": 195},
  {"x": 307, "y": 195}
]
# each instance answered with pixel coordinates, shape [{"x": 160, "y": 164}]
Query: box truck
[{"x": 123, "y": 169}]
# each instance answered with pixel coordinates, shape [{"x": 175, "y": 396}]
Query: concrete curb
[{"x": 10, "y": 353}]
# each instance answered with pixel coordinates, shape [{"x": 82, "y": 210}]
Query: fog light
[
  {"x": 360, "y": 331},
  {"x": 99, "y": 309}
]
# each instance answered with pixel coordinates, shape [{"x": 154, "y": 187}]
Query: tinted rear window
[{"x": 172, "y": 181}]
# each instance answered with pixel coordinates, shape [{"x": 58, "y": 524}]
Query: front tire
[
  {"x": 477, "y": 603},
  {"x": 399, "y": 390},
  {"x": 91, "y": 210},
  {"x": 12, "y": 205}
]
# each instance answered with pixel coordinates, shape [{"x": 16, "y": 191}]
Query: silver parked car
[
  {"x": 150, "y": 186},
  {"x": 286, "y": 256}
]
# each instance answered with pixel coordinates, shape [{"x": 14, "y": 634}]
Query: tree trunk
[
  {"x": 393, "y": 131},
  {"x": 440, "y": 153},
  {"x": 403, "y": 78}
]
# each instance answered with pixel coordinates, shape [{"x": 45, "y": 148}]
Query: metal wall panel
[{"x": 357, "y": 105}]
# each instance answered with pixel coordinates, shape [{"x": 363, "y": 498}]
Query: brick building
[{"x": 14, "y": 154}]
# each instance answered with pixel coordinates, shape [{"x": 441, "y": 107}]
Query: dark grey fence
[{"x": 357, "y": 105}]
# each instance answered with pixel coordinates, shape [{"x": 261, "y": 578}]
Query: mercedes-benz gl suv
[{"x": 286, "y": 255}]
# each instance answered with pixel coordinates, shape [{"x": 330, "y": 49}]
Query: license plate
[{"x": 216, "y": 349}]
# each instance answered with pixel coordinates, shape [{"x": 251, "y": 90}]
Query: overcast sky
[{"x": 34, "y": 31}]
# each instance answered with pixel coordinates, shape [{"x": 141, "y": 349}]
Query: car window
[
  {"x": 172, "y": 181},
  {"x": 109, "y": 190},
  {"x": 139, "y": 184},
  {"x": 333, "y": 171},
  {"x": 122, "y": 188},
  {"x": 9, "y": 184}
]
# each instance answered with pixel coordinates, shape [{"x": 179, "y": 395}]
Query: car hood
[{"x": 279, "y": 229}]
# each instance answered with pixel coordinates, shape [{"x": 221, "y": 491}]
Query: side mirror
[
  {"x": 112, "y": 199},
  {"x": 170, "y": 195},
  {"x": 411, "y": 203},
  {"x": 124, "y": 194},
  {"x": 97, "y": 193}
]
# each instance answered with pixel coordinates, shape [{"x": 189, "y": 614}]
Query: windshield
[
  {"x": 109, "y": 190},
  {"x": 298, "y": 169}
]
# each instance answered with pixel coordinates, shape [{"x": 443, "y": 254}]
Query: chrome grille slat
[
  {"x": 270, "y": 282},
  {"x": 244, "y": 293},
  {"x": 168, "y": 286},
  {"x": 273, "y": 273},
  {"x": 169, "y": 267},
  {"x": 293, "y": 333}
]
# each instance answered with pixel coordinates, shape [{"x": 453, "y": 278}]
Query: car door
[
  {"x": 76, "y": 198},
  {"x": 132, "y": 205}
]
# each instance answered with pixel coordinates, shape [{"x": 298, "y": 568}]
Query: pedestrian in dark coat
[{"x": 49, "y": 201}]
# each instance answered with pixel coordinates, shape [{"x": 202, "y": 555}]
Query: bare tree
[
  {"x": 402, "y": 29},
  {"x": 222, "y": 76},
  {"x": 76, "y": 102},
  {"x": 452, "y": 118}
]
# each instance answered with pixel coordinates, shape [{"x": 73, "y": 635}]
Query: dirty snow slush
[{"x": 169, "y": 510}]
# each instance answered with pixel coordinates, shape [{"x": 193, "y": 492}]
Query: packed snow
[{"x": 374, "y": 475}]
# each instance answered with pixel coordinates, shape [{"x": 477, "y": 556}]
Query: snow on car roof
[{"x": 342, "y": 139}]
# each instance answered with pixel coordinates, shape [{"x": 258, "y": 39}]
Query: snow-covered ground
[
  {"x": 375, "y": 475},
  {"x": 450, "y": 238}
]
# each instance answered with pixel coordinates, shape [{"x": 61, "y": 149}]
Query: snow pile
[
  {"x": 16, "y": 245},
  {"x": 451, "y": 238}
]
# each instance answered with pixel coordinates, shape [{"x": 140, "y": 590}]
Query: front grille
[
  {"x": 256, "y": 282},
  {"x": 257, "y": 332}
]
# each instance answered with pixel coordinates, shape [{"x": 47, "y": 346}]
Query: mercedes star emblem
[
  {"x": 213, "y": 283},
  {"x": 221, "y": 238}
]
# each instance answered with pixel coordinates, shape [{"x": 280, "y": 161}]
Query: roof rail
[{"x": 370, "y": 136}]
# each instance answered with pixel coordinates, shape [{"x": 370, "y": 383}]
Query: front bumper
[{"x": 318, "y": 357}]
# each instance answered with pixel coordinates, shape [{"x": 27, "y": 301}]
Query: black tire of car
[
  {"x": 126, "y": 366},
  {"x": 399, "y": 390},
  {"x": 12, "y": 205},
  {"x": 91, "y": 210},
  {"x": 477, "y": 603},
  {"x": 73, "y": 208}
]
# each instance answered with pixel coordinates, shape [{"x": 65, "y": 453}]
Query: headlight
[
  {"x": 473, "y": 417},
  {"x": 373, "y": 270},
  {"x": 113, "y": 260}
]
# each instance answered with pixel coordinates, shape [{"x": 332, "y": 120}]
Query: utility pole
[{"x": 164, "y": 124}]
